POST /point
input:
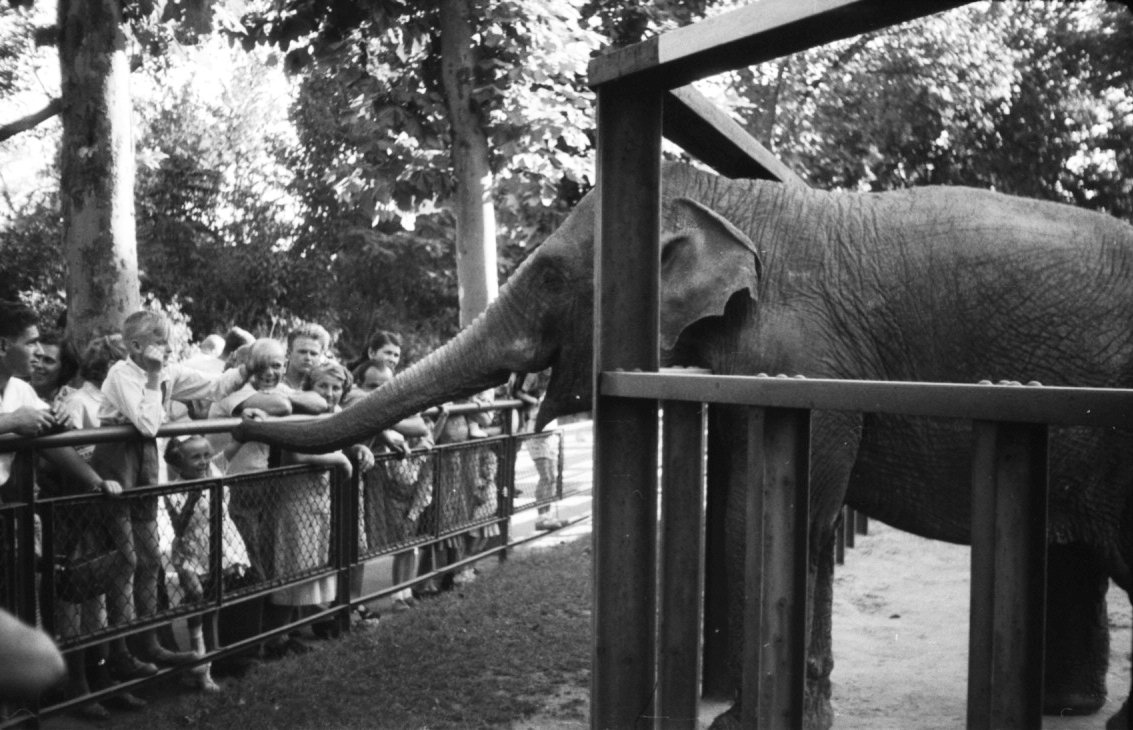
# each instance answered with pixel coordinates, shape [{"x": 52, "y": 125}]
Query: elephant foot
[
  {"x": 817, "y": 711},
  {"x": 1072, "y": 703},
  {"x": 1123, "y": 720},
  {"x": 730, "y": 720}
]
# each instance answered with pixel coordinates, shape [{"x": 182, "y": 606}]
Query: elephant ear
[{"x": 704, "y": 261}]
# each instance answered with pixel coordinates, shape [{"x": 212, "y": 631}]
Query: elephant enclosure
[{"x": 901, "y": 637}]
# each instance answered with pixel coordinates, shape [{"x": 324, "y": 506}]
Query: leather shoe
[
  {"x": 92, "y": 712},
  {"x": 126, "y": 666},
  {"x": 125, "y": 701}
]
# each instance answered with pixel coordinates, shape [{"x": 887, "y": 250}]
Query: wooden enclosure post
[
  {"x": 682, "y": 512},
  {"x": 776, "y": 605},
  {"x": 1009, "y": 516},
  {"x": 627, "y": 266},
  {"x": 716, "y": 683}
]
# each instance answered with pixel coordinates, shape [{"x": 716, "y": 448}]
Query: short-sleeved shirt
[{"x": 17, "y": 394}]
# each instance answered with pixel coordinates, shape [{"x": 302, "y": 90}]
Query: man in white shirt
[{"x": 23, "y": 413}]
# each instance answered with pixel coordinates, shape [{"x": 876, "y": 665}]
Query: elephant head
[{"x": 544, "y": 318}]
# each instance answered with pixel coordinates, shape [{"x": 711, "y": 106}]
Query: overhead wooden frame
[{"x": 639, "y": 101}]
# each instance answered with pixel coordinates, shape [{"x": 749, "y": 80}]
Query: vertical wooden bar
[
  {"x": 774, "y": 678},
  {"x": 682, "y": 512},
  {"x": 861, "y": 523},
  {"x": 840, "y": 540},
  {"x": 849, "y": 517},
  {"x": 1009, "y": 516},
  {"x": 626, "y": 320},
  {"x": 716, "y": 683}
]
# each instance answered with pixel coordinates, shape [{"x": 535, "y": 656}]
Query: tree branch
[{"x": 32, "y": 120}]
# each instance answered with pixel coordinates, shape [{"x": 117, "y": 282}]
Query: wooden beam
[
  {"x": 714, "y": 138},
  {"x": 776, "y": 564},
  {"x": 627, "y": 266},
  {"x": 1053, "y": 405},
  {"x": 682, "y": 541},
  {"x": 1009, "y": 520},
  {"x": 760, "y": 32}
]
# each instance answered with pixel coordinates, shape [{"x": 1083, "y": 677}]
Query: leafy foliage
[{"x": 1028, "y": 98}]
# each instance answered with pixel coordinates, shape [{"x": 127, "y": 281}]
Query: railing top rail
[
  {"x": 82, "y": 437},
  {"x": 1023, "y": 404}
]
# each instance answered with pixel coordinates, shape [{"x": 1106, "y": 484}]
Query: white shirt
[
  {"x": 17, "y": 394},
  {"x": 129, "y": 401}
]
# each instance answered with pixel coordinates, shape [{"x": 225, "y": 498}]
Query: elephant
[{"x": 943, "y": 284}]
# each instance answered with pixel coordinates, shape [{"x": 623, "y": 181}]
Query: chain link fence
[{"x": 88, "y": 568}]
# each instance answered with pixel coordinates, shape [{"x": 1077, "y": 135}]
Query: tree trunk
[
  {"x": 475, "y": 217},
  {"x": 97, "y": 169}
]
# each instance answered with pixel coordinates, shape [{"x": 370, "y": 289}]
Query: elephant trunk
[{"x": 482, "y": 356}]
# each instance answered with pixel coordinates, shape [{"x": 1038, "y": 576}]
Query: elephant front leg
[
  {"x": 817, "y": 711},
  {"x": 1077, "y": 632}
]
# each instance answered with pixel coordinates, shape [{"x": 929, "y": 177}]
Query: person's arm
[
  {"x": 412, "y": 427},
  {"x": 26, "y": 421},
  {"x": 138, "y": 399},
  {"x": 336, "y": 459},
  {"x": 271, "y": 403},
  {"x": 307, "y": 402},
  {"x": 32, "y": 663},
  {"x": 187, "y": 384},
  {"x": 68, "y": 461}
]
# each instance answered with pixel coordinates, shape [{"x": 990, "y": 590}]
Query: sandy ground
[
  {"x": 901, "y": 637},
  {"x": 901, "y": 641}
]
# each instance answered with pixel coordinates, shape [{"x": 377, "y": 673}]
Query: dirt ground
[
  {"x": 901, "y": 642},
  {"x": 901, "y": 637}
]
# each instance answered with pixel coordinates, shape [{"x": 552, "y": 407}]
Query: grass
[{"x": 490, "y": 655}]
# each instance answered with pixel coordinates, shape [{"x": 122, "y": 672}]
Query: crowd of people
[{"x": 269, "y": 530}]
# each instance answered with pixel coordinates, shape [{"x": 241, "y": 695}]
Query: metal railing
[{"x": 246, "y": 536}]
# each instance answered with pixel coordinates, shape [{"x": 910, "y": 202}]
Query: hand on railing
[
  {"x": 363, "y": 457},
  {"x": 109, "y": 487}
]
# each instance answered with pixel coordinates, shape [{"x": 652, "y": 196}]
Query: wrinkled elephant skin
[{"x": 930, "y": 284}]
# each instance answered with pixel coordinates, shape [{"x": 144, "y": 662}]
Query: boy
[{"x": 137, "y": 391}]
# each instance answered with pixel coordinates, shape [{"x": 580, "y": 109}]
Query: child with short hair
[
  {"x": 138, "y": 391},
  {"x": 190, "y": 458}
]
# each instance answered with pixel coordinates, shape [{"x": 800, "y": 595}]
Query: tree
[
  {"x": 415, "y": 118},
  {"x": 97, "y": 171}
]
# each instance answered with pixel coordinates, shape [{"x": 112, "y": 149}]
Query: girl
[
  {"x": 303, "y": 540},
  {"x": 190, "y": 458}
]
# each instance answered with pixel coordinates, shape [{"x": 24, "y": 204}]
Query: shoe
[
  {"x": 290, "y": 645},
  {"x": 200, "y": 679},
  {"x": 126, "y": 666},
  {"x": 161, "y": 655},
  {"x": 326, "y": 629},
  {"x": 125, "y": 701},
  {"x": 464, "y": 577},
  {"x": 366, "y": 617},
  {"x": 549, "y": 523},
  {"x": 92, "y": 712},
  {"x": 237, "y": 666},
  {"x": 400, "y": 605}
]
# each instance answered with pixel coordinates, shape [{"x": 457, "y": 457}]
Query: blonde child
[
  {"x": 189, "y": 458},
  {"x": 137, "y": 391},
  {"x": 305, "y": 512}
]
